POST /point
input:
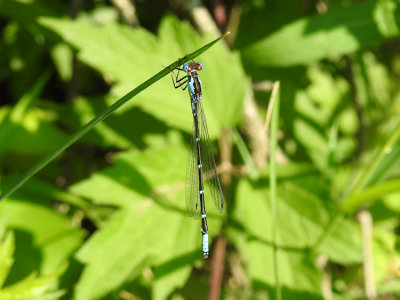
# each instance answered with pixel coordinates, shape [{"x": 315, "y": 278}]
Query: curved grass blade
[
  {"x": 360, "y": 192},
  {"x": 85, "y": 129}
]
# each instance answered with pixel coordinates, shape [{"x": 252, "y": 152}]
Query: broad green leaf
[
  {"x": 391, "y": 201},
  {"x": 114, "y": 131},
  {"x": 324, "y": 102},
  {"x": 103, "y": 115},
  {"x": 313, "y": 141},
  {"x": 137, "y": 237},
  {"x": 255, "y": 244},
  {"x": 136, "y": 175},
  {"x": 31, "y": 287},
  {"x": 339, "y": 31},
  {"x": 7, "y": 248},
  {"x": 34, "y": 287},
  {"x": 175, "y": 266},
  {"x": 45, "y": 233},
  {"x": 151, "y": 229},
  {"x": 117, "y": 51},
  {"x": 301, "y": 217}
]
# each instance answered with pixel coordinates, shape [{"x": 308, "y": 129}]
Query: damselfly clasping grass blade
[{"x": 201, "y": 164}]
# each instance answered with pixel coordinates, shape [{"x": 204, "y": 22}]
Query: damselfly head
[{"x": 193, "y": 66}]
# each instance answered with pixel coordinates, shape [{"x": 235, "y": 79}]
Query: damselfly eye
[
  {"x": 189, "y": 68},
  {"x": 200, "y": 66}
]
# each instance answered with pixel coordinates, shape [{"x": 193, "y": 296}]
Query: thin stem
[
  {"x": 365, "y": 220},
  {"x": 272, "y": 180}
]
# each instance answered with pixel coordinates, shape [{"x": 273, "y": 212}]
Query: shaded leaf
[{"x": 339, "y": 31}]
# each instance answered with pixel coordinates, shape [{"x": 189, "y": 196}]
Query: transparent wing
[
  {"x": 192, "y": 181},
  {"x": 207, "y": 159}
]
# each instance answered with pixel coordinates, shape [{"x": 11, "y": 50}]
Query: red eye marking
[
  {"x": 199, "y": 67},
  {"x": 189, "y": 68}
]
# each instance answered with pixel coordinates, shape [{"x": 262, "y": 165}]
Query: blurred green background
[{"x": 106, "y": 219}]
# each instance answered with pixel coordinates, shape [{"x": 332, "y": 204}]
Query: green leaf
[
  {"x": 383, "y": 157},
  {"x": 339, "y": 31},
  {"x": 254, "y": 241},
  {"x": 135, "y": 175},
  {"x": 368, "y": 195},
  {"x": 7, "y": 249},
  {"x": 81, "y": 132},
  {"x": 301, "y": 217},
  {"x": 112, "y": 132},
  {"x": 386, "y": 256},
  {"x": 121, "y": 59},
  {"x": 31, "y": 287},
  {"x": 19, "y": 124},
  {"x": 34, "y": 287},
  {"x": 41, "y": 232},
  {"x": 63, "y": 59},
  {"x": 325, "y": 101},
  {"x": 150, "y": 230}
]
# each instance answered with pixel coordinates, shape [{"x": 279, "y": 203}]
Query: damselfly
[{"x": 201, "y": 164}]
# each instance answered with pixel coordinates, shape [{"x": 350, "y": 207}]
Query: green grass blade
[
  {"x": 383, "y": 151},
  {"x": 81, "y": 132},
  {"x": 360, "y": 193},
  {"x": 245, "y": 154},
  {"x": 368, "y": 195},
  {"x": 272, "y": 182}
]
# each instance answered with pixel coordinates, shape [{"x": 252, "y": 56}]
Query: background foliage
[{"x": 106, "y": 219}]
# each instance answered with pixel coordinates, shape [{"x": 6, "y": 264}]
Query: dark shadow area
[
  {"x": 69, "y": 279},
  {"x": 349, "y": 18},
  {"x": 258, "y": 22},
  {"x": 175, "y": 264}
]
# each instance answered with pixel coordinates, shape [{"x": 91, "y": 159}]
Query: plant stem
[{"x": 272, "y": 180}]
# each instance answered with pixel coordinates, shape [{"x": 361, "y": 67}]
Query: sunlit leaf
[
  {"x": 152, "y": 228},
  {"x": 117, "y": 51},
  {"x": 7, "y": 248}
]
